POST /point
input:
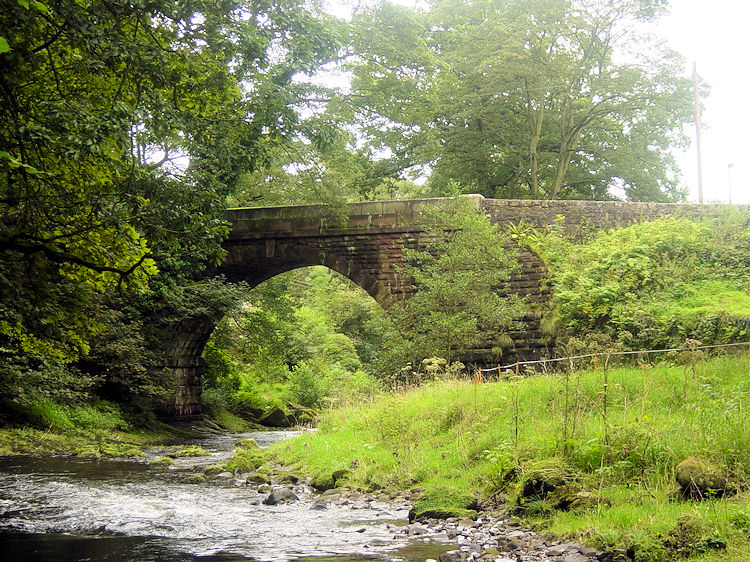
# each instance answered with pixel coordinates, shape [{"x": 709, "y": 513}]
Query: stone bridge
[{"x": 367, "y": 247}]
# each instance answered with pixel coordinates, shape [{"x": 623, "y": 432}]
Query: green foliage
[
  {"x": 299, "y": 339},
  {"x": 123, "y": 128},
  {"x": 656, "y": 284},
  {"x": 540, "y": 107},
  {"x": 308, "y": 385},
  {"x": 456, "y": 275}
]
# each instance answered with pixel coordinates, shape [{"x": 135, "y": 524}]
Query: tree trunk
[{"x": 536, "y": 118}]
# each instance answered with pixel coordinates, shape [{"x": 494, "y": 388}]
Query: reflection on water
[{"x": 59, "y": 508}]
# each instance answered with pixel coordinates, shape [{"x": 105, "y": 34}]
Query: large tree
[
  {"x": 523, "y": 98},
  {"x": 123, "y": 128}
]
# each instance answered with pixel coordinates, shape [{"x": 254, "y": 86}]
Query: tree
[
  {"x": 523, "y": 98},
  {"x": 123, "y": 128},
  {"x": 457, "y": 275}
]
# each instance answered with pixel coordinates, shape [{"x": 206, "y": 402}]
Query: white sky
[{"x": 715, "y": 34}]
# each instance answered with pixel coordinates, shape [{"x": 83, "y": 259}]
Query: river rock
[
  {"x": 195, "y": 479},
  {"x": 453, "y": 556},
  {"x": 259, "y": 478},
  {"x": 275, "y": 417},
  {"x": 280, "y": 496},
  {"x": 248, "y": 443},
  {"x": 576, "y": 557}
]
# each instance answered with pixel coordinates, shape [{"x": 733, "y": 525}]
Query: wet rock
[
  {"x": 289, "y": 478},
  {"x": 259, "y": 477},
  {"x": 513, "y": 545},
  {"x": 576, "y": 557},
  {"x": 248, "y": 443},
  {"x": 264, "y": 489},
  {"x": 453, "y": 556},
  {"x": 275, "y": 417},
  {"x": 557, "y": 550},
  {"x": 195, "y": 479},
  {"x": 280, "y": 496},
  {"x": 323, "y": 482},
  {"x": 340, "y": 476},
  {"x": 414, "y": 530}
]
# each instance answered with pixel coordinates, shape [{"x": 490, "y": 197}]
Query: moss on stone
[
  {"x": 442, "y": 502},
  {"x": 191, "y": 451},
  {"x": 162, "y": 461},
  {"x": 248, "y": 443}
]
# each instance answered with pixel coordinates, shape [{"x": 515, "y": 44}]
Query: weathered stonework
[{"x": 367, "y": 247}]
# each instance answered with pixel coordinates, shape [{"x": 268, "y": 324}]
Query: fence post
[{"x": 517, "y": 364}]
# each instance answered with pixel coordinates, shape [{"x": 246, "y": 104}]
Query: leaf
[
  {"x": 41, "y": 7},
  {"x": 4, "y": 47}
]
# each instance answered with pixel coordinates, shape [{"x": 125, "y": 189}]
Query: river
[{"x": 63, "y": 509}]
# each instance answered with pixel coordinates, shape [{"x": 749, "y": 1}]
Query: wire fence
[{"x": 479, "y": 374}]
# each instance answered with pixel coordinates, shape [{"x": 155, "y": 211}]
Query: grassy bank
[
  {"x": 99, "y": 429},
  {"x": 584, "y": 455}
]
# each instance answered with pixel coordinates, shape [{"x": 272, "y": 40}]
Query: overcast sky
[{"x": 715, "y": 34}]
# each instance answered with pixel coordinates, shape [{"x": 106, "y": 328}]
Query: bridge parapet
[{"x": 321, "y": 220}]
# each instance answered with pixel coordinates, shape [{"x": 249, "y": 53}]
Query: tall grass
[{"x": 620, "y": 441}]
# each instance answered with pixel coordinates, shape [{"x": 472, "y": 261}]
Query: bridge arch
[{"x": 368, "y": 247}]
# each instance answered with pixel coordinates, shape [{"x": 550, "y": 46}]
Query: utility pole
[
  {"x": 729, "y": 179},
  {"x": 698, "y": 133}
]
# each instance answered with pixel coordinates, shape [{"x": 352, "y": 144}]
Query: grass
[
  {"x": 614, "y": 449},
  {"x": 91, "y": 430}
]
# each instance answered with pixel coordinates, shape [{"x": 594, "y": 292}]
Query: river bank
[
  {"x": 508, "y": 470},
  {"x": 587, "y": 456},
  {"x": 101, "y": 430}
]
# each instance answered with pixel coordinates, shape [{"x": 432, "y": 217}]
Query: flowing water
[{"x": 64, "y": 509}]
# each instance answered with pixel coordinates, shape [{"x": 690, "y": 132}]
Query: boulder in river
[{"x": 280, "y": 496}]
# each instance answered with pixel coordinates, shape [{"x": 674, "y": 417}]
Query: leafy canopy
[
  {"x": 123, "y": 127},
  {"x": 521, "y": 98}
]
